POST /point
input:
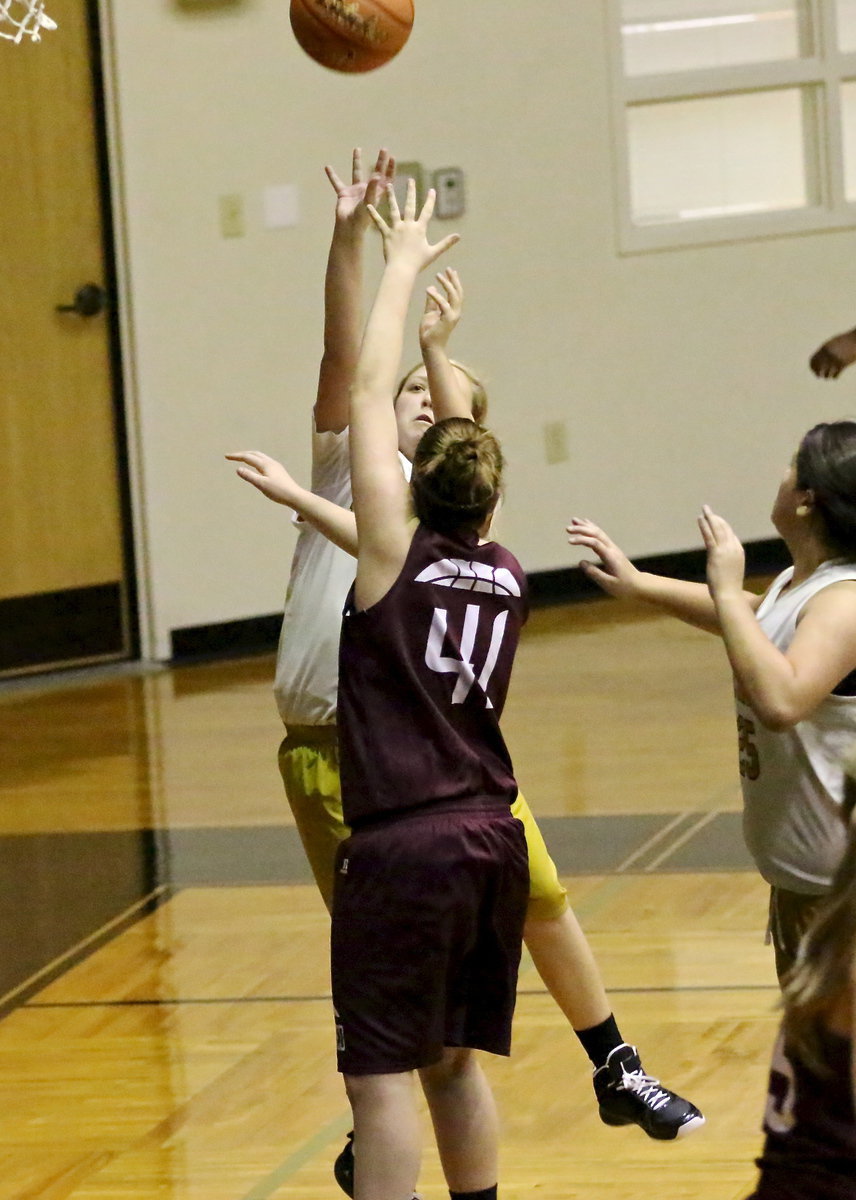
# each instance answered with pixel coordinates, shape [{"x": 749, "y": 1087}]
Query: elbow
[{"x": 778, "y": 718}]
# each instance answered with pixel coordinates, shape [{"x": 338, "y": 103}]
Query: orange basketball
[{"x": 351, "y": 35}]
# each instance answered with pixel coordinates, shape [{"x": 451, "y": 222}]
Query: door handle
[{"x": 89, "y": 301}]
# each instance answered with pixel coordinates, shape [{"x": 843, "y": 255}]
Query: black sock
[
  {"x": 600, "y": 1040},
  {"x": 484, "y": 1194}
]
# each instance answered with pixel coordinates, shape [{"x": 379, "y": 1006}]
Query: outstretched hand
[
  {"x": 442, "y": 310},
  {"x": 269, "y": 476},
  {"x": 726, "y": 558},
  {"x": 405, "y": 238},
  {"x": 615, "y": 572},
  {"x": 353, "y": 198},
  {"x": 830, "y": 359}
]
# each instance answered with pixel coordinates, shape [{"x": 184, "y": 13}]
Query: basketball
[{"x": 351, "y": 35}]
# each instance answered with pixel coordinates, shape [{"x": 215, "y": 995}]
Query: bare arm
[
  {"x": 615, "y": 573},
  {"x": 450, "y": 395},
  {"x": 782, "y": 688},
  {"x": 274, "y": 481},
  {"x": 381, "y": 495},
  {"x": 343, "y": 284}
]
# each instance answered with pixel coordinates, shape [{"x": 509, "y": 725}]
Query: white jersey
[
  {"x": 307, "y": 664},
  {"x": 793, "y": 780}
]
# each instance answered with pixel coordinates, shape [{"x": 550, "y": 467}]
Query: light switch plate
[
  {"x": 281, "y": 206},
  {"x": 448, "y": 183}
]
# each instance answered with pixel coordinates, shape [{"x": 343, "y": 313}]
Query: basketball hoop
[{"x": 29, "y": 22}]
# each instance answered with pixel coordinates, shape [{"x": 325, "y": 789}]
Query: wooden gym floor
[{"x": 166, "y": 1027}]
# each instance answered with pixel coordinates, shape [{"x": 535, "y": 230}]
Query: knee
[
  {"x": 362, "y": 1089},
  {"x": 455, "y": 1065}
]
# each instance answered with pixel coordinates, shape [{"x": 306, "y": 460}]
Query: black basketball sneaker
[{"x": 627, "y": 1096}]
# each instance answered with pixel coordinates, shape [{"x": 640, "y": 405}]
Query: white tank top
[
  {"x": 793, "y": 780},
  {"x": 307, "y": 663}
]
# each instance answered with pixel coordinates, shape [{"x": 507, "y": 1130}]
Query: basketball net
[{"x": 29, "y": 21}]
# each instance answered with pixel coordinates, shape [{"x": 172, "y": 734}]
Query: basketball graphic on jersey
[{"x": 470, "y": 577}]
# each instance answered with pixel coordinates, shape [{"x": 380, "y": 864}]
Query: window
[{"x": 734, "y": 118}]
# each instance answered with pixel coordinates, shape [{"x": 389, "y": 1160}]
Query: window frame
[{"x": 819, "y": 75}]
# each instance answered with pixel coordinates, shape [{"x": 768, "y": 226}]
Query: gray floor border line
[
  {"x": 686, "y": 836},
  {"x": 652, "y": 841}
]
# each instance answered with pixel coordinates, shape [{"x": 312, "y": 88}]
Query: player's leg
[
  {"x": 555, "y": 941},
  {"x": 464, "y": 1117},
  {"x": 483, "y": 947},
  {"x": 309, "y": 766},
  {"x": 387, "y": 1130},
  {"x": 791, "y": 913},
  {"x": 563, "y": 958}
]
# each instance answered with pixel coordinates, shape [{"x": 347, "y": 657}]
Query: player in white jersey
[{"x": 793, "y": 655}]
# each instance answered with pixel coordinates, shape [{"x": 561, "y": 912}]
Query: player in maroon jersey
[
  {"x": 431, "y": 886},
  {"x": 810, "y": 1123}
]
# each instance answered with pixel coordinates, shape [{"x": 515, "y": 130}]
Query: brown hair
[
  {"x": 479, "y": 394},
  {"x": 457, "y": 475},
  {"x": 826, "y": 463},
  {"x": 823, "y": 971}
]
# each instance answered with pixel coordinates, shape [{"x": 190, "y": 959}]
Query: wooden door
[{"x": 63, "y": 573}]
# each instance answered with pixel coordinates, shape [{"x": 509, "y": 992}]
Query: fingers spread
[
  {"x": 427, "y": 207},
  {"x": 446, "y": 244},
  {"x": 410, "y": 200},
  {"x": 394, "y": 210},
  {"x": 335, "y": 180}
]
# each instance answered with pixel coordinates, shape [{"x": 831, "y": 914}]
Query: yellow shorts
[{"x": 309, "y": 765}]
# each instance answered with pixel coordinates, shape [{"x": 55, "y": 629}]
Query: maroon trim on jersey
[{"x": 423, "y": 676}]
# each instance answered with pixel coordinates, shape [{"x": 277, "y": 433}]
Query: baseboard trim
[
  {"x": 228, "y": 639},
  {"x": 69, "y": 627}
]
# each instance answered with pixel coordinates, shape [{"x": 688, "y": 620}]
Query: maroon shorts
[{"x": 428, "y": 913}]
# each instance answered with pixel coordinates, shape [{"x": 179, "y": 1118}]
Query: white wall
[{"x": 682, "y": 374}]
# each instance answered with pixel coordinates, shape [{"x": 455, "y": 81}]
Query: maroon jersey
[
  {"x": 810, "y": 1148},
  {"x": 423, "y": 676}
]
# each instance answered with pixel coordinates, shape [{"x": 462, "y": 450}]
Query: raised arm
[
  {"x": 381, "y": 495},
  {"x": 450, "y": 395},
  {"x": 781, "y": 687},
  {"x": 343, "y": 315},
  {"x": 616, "y": 574},
  {"x": 273, "y": 480}
]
